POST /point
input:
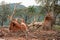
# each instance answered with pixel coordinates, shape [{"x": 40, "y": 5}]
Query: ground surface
[{"x": 32, "y": 35}]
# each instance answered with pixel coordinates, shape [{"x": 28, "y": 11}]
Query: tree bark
[{"x": 2, "y": 22}]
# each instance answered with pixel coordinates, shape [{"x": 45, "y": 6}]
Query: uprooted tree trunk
[{"x": 48, "y": 21}]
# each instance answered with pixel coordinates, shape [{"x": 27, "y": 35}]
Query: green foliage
[
  {"x": 4, "y": 12},
  {"x": 31, "y": 10},
  {"x": 27, "y": 13}
]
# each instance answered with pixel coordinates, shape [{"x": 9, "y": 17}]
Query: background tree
[
  {"x": 50, "y": 5},
  {"x": 5, "y": 10},
  {"x": 31, "y": 11}
]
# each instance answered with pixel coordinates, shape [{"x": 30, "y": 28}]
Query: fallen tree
[{"x": 48, "y": 21}]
